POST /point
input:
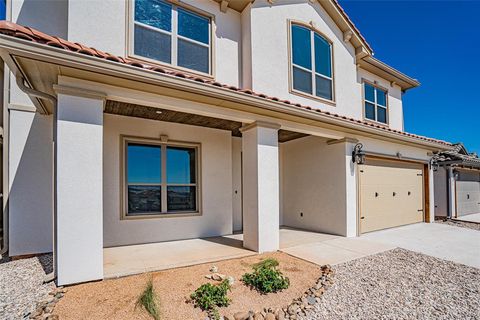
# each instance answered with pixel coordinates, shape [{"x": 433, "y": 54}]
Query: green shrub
[
  {"x": 266, "y": 277},
  {"x": 148, "y": 300},
  {"x": 208, "y": 297}
]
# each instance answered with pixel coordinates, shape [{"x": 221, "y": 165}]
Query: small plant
[
  {"x": 208, "y": 297},
  {"x": 266, "y": 277},
  {"x": 148, "y": 300}
]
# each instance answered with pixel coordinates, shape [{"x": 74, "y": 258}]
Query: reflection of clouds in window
[{"x": 171, "y": 34}]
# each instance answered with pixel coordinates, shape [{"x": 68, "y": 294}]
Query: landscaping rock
[
  {"x": 218, "y": 277},
  {"x": 241, "y": 315},
  {"x": 214, "y": 269},
  {"x": 270, "y": 316},
  {"x": 258, "y": 316},
  {"x": 231, "y": 280}
]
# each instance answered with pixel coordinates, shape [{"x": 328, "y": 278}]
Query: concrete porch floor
[
  {"x": 134, "y": 259},
  {"x": 315, "y": 247}
]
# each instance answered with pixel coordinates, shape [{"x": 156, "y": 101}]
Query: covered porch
[{"x": 320, "y": 248}]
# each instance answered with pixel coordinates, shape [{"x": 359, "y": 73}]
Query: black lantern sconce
[{"x": 358, "y": 155}]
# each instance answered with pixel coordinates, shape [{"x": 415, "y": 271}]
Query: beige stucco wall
[
  {"x": 314, "y": 183},
  {"x": 216, "y": 184},
  {"x": 237, "y": 183}
]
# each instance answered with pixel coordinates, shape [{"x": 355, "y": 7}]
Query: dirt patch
[{"x": 116, "y": 298}]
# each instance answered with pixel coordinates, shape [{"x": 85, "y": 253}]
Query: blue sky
[{"x": 437, "y": 42}]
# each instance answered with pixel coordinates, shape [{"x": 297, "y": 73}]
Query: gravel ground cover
[
  {"x": 21, "y": 285},
  {"x": 401, "y": 284},
  {"x": 461, "y": 224}
]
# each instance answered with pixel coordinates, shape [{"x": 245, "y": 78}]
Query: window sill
[
  {"x": 311, "y": 96},
  {"x": 171, "y": 68},
  {"x": 160, "y": 215}
]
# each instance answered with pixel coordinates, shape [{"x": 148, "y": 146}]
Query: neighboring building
[
  {"x": 204, "y": 118},
  {"x": 457, "y": 183}
]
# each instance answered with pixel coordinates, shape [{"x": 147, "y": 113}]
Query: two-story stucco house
[{"x": 142, "y": 121}]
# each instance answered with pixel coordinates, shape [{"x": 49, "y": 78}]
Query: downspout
[{"x": 33, "y": 94}]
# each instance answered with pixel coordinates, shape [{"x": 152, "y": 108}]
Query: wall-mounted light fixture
[{"x": 358, "y": 155}]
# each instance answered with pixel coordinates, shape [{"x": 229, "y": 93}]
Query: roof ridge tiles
[{"x": 14, "y": 30}]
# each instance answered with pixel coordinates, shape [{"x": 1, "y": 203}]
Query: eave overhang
[
  {"x": 41, "y": 65},
  {"x": 385, "y": 71}
]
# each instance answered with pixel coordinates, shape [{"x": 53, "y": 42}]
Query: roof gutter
[{"x": 57, "y": 56}]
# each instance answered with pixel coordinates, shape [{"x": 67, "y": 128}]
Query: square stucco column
[
  {"x": 452, "y": 194},
  {"x": 78, "y": 136},
  {"x": 261, "y": 187}
]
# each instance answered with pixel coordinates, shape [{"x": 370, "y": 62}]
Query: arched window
[{"x": 311, "y": 64}]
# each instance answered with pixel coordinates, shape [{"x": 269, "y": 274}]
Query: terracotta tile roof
[{"x": 30, "y": 34}]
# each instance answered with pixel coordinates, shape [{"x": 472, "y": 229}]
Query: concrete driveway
[
  {"x": 438, "y": 240},
  {"x": 474, "y": 217},
  {"x": 447, "y": 242}
]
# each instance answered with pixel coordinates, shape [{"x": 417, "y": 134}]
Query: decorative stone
[
  {"x": 209, "y": 276},
  {"x": 241, "y": 316},
  {"x": 258, "y": 316},
  {"x": 311, "y": 300},
  {"x": 292, "y": 309},
  {"x": 270, "y": 316},
  {"x": 231, "y": 280},
  {"x": 214, "y": 269}
]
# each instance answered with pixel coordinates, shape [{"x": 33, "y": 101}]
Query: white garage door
[
  {"x": 468, "y": 193},
  {"x": 391, "y": 195}
]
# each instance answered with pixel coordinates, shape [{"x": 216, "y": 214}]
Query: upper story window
[
  {"x": 311, "y": 63},
  {"x": 375, "y": 103},
  {"x": 172, "y": 34}
]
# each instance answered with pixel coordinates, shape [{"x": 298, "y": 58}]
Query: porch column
[
  {"x": 452, "y": 198},
  {"x": 261, "y": 188},
  {"x": 78, "y": 136}
]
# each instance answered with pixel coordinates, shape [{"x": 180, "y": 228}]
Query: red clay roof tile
[{"x": 14, "y": 30}]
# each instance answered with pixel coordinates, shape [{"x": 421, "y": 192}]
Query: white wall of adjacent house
[{"x": 216, "y": 184}]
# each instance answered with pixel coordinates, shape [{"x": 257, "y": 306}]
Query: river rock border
[
  {"x": 45, "y": 307},
  {"x": 298, "y": 307}
]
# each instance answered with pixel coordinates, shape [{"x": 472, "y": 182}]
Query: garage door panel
[
  {"x": 468, "y": 197},
  {"x": 390, "y": 196}
]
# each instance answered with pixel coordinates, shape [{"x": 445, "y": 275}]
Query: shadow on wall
[
  {"x": 48, "y": 16},
  {"x": 30, "y": 199}
]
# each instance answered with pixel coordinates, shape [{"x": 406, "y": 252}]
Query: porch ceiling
[{"x": 159, "y": 114}]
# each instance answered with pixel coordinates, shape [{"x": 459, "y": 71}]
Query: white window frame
[
  {"x": 375, "y": 104},
  {"x": 174, "y": 38},
  {"x": 125, "y": 141},
  {"x": 313, "y": 72}
]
